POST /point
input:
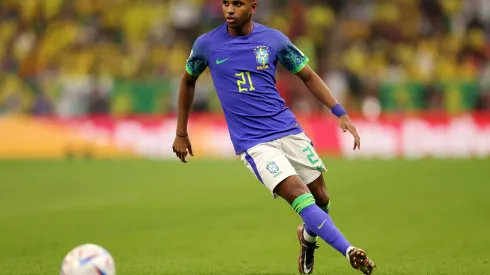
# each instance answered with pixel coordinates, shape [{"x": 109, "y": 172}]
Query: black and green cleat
[{"x": 306, "y": 258}]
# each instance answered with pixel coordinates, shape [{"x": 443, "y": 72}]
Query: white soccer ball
[{"x": 88, "y": 259}]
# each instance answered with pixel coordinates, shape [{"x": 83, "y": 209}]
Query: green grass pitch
[{"x": 214, "y": 217}]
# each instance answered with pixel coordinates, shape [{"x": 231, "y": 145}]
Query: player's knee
[
  {"x": 291, "y": 188},
  {"x": 324, "y": 205},
  {"x": 323, "y": 201}
]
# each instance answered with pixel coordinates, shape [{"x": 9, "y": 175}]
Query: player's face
[{"x": 238, "y": 12}]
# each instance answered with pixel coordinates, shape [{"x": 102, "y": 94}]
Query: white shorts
[{"x": 272, "y": 162}]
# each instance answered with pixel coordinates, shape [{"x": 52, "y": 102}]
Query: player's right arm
[
  {"x": 196, "y": 64},
  {"x": 182, "y": 144}
]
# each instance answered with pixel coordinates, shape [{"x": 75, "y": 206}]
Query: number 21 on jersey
[{"x": 243, "y": 81}]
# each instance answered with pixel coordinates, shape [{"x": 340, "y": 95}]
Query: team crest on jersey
[
  {"x": 272, "y": 167},
  {"x": 262, "y": 57}
]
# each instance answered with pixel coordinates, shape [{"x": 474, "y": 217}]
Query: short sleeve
[
  {"x": 290, "y": 56},
  {"x": 196, "y": 64}
]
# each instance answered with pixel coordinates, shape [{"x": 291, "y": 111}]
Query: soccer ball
[{"x": 88, "y": 259}]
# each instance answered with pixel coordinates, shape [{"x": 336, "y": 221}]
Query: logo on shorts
[{"x": 272, "y": 167}]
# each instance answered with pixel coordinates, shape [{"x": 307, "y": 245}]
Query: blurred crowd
[{"x": 75, "y": 57}]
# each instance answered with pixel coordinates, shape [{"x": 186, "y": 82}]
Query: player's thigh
[
  {"x": 268, "y": 163},
  {"x": 291, "y": 188},
  {"x": 303, "y": 157}
]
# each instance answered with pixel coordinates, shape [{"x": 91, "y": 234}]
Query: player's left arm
[
  {"x": 297, "y": 63},
  {"x": 321, "y": 91}
]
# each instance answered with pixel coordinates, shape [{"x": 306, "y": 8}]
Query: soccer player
[{"x": 242, "y": 56}]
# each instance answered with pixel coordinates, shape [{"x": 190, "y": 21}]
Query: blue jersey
[{"x": 243, "y": 69}]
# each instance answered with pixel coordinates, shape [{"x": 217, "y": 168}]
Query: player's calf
[
  {"x": 322, "y": 199},
  {"x": 309, "y": 235}
]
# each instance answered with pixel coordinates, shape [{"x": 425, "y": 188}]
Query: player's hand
[
  {"x": 181, "y": 147},
  {"x": 347, "y": 125}
]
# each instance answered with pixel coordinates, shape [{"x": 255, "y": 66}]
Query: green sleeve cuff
[
  {"x": 301, "y": 66},
  {"x": 189, "y": 71}
]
